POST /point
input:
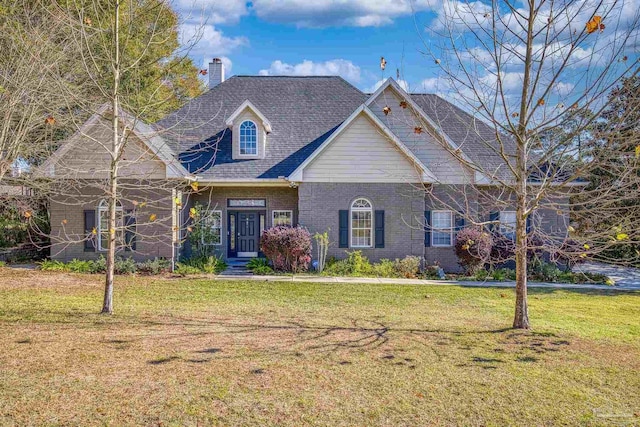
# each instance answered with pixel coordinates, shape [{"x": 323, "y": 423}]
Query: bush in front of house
[
  {"x": 97, "y": 266},
  {"x": 407, "y": 267},
  {"x": 210, "y": 264},
  {"x": 473, "y": 249},
  {"x": 358, "y": 265},
  {"x": 154, "y": 266},
  {"x": 288, "y": 248},
  {"x": 260, "y": 266}
]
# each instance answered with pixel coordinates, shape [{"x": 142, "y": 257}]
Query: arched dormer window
[
  {"x": 103, "y": 225},
  {"x": 248, "y": 138},
  {"x": 361, "y": 223}
]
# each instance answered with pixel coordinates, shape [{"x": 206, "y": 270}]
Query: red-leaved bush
[
  {"x": 288, "y": 248},
  {"x": 473, "y": 248}
]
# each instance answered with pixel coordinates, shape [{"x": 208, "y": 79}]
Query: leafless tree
[
  {"x": 120, "y": 163},
  {"x": 34, "y": 54},
  {"x": 535, "y": 77}
]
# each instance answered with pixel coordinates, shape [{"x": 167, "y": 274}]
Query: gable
[
  {"x": 362, "y": 153},
  {"x": 402, "y": 122},
  {"x": 86, "y": 155}
]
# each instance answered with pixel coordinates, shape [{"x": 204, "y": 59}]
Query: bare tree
[
  {"x": 535, "y": 78},
  {"x": 35, "y": 54},
  {"x": 130, "y": 63}
]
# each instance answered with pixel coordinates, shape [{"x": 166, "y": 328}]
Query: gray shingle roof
[
  {"x": 303, "y": 112},
  {"x": 474, "y": 137}
]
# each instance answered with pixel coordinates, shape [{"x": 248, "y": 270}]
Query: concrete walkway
[{"x": 507, "y": 284}]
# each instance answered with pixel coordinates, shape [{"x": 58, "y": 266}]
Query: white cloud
[
  {"x": 325, "y": 13},
  {"x": 208, "y": 41},
  {"x": 211, "y": 11},
  {"x": 334, "y": 67}
]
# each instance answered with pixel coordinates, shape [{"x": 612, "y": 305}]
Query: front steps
[{"x": 237, "y": 267}]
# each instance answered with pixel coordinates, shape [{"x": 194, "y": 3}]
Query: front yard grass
[{"x": 200, "y": 352}]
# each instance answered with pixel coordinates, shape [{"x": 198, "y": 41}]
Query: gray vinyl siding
[
  {"x": 402, "y": 122},
  {"x": 88, "y": 156}
]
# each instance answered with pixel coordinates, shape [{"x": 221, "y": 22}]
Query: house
[{"x": 387, "y": 173}]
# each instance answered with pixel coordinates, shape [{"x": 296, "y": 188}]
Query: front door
[{"x": 248, "y": 234}]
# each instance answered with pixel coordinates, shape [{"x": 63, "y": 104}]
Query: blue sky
[
  {"x": 348, "y": 37},
  {"x": 330, "y": 37}
]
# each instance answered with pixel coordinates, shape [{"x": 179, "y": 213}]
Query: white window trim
[
  {"x": 371, "y": 228},
  {"x": 434, "y": 230},
  {"x": 500, "y": 224},
  {"x": 257, "y": 140},
  {"x": 103, "y": 206},
  {"x": 213, "y": 212},
  {"x": 273, "y": 216}
]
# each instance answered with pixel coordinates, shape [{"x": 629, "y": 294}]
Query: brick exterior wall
[
  {"x": 152, "y": 239},
  {"x": 215, "y": 198},
  {"x": 320, "y": 203},
  {"x": 314, "y": 205}
]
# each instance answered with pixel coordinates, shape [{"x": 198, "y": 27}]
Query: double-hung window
[
  {"x": 442, "y": 228},
  {"x": 212, "y": 234},
  {"x": 248, "y": 138},
  {"x": 508, "y": 224},
  {"x": 103, "y": 225},
  {"x": 282, "y": 217},
  {"x": 361, "y": 224}
]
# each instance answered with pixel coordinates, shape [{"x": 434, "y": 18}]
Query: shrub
[
  {"x": 337, "y": 268},
  {"x": 473, "y": 249},
  {"x": 384, "y": 268},
  {"x": 257, "y": 263},
  {"x": 79, "y": 266},
  {"x": 205, "y": 264},
  {"x": 154, "y": 266},
  {"x": 125, "y": 266},
  {"x": 263, "y": 270},
  {"x": 99, "y": 265},
  {"x": 184, "y": 270},
  {"x": 503, "y": 249},
  {"x": 358, "y": 263},
  {"x": 502, "y": 274},
  {"x": 407, "y": 267},
  {"x": 482, "y": 275},
  {"x": 432, "y": 272},
  {"x": 53, "y": 265},
  {"x": 3, "y": 264},
  {"x": 288, "y": 248}
]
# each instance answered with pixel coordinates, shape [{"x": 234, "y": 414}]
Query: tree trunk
[
  {"x": 107, "y": 305},
  {"x": 521, "y": 318}
]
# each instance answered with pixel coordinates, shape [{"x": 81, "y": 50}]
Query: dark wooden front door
[{"x": 248, "y": 234}]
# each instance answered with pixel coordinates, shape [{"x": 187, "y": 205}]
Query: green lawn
[{"x": 197, "y": 352}]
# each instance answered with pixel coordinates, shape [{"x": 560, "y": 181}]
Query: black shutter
[
  {"x": 459, "y": 223},
  {"x": 427, "y": 228},
  {"x": 344, "y": 229},
  {"x": 89, "y": 225},
  {"x": 379, "y": 229},
  {"x": 130, "y": 231},
  {"x": 493, "y": 217},
  {"x": 529, "y": 224}
]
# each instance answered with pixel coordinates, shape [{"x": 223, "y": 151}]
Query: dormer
[{"x": 249, "y": 128}]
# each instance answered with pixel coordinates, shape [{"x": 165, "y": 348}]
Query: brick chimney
[{"x": 216, "y": 72}]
